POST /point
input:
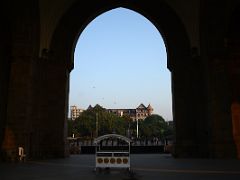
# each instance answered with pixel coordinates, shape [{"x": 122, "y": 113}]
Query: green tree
[
  {"x": 153, "y": 126},
  {"x": 70, "y": 127},
  {"x": 85, "y": 124}
]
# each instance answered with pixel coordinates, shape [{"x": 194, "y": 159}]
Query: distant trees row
[{"x": 98, "y": 121}]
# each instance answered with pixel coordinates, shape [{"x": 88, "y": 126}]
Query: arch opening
[
  {"x": 120, "y": 66},
  {"x": 178, "y": 50}
]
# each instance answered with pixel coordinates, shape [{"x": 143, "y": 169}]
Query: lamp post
[
  {"x": 137, "y": 128},
  {"x": 96, "y": 124}
]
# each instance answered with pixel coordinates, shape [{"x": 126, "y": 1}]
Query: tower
[{"x": 150, "y": 110}]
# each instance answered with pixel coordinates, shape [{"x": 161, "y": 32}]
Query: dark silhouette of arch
[{"x": 164, "y": 18}]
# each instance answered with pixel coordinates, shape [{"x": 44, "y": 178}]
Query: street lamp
[
  {"x": 96, "y": 124},
  {"x": 137, "y": 128}
]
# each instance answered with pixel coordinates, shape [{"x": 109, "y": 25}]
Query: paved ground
[{"x": 144, "y": 167}]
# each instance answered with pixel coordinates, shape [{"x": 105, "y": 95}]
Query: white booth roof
[{"x": 107, "y": 136}]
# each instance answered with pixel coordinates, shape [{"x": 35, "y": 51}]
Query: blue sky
[{"x": 120, "y": 61}]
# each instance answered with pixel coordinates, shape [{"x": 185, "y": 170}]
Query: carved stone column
[
  {"x": 49, "y": 136},
  {"x": 23, "y": 53},
  {"x": 233, "y": 66}
]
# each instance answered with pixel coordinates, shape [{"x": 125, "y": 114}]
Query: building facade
[
  {"x": 140, "y": 113},
  {"x": 75, "y": 112}
]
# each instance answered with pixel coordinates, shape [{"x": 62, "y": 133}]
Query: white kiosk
[{"x": 112, "y": 151}]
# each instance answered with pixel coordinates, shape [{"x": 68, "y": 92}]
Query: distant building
[
  {"x": 141, "y": 112},
  {"x": 75, "y": 112}
]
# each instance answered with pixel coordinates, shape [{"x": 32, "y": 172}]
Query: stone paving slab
[{"x": 143, "y": 167}]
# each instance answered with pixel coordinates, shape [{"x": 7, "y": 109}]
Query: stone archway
[
  {"x": 179, "y": 60},
  {"x": 34, "y": 98}
]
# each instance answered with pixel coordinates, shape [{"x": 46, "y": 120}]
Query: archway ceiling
[{"x": 52, "y": 11}]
